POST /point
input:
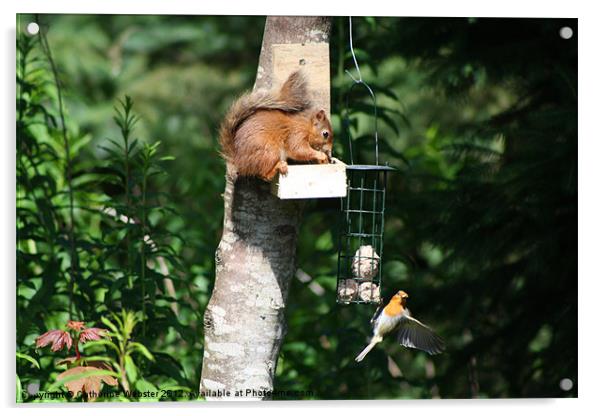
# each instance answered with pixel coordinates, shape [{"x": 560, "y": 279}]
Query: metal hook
[
  {"x": 357, "y": 68},
  {"x": 356, "y": 81}
]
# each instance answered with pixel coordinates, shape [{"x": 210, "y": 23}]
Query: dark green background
[{"x": 480, "y": 225}]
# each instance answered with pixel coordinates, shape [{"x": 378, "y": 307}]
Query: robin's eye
[{"x": 325, "y": 134}]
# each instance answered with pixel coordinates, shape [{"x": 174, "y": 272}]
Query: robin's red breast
[{"x": 411, "y": 333}]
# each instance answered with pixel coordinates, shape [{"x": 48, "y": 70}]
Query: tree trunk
[{"x": 255, "y": 260}]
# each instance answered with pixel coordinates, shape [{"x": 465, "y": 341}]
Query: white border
[
  {"x": 507, "y": 8},
  {"x": 590, "y": 212}
]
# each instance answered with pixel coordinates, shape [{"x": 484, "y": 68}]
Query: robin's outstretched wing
[{"x": 414, "y": 334}]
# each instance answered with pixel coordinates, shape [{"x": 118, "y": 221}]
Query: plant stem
[
  {"x": 125, "y": 335},
  {"x": 68, "y": 167},
  {"x": 127, "y": 196},
  {"x": 124, "y": 380},
  {"x": 143, "y": 249}
]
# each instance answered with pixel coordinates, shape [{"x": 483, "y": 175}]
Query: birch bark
[{"x": 255, "y": 260}]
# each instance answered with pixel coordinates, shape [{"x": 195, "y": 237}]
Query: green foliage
[
  {"x": 480, "y": 224},
  {"x": 127, "y": 357},
  {"x": 91, "y": 237}
]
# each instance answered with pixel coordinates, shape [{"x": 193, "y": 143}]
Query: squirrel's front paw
[
  {"x": 283, "y": 168},
  {"x": 322, "y": 158}
]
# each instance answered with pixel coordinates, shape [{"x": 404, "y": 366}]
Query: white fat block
[
  {"x": 369, "y": 292},
  {"x": 347, "y": 290},
  {"x": 365, "y": 263}
]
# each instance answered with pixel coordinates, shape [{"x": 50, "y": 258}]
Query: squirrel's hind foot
[{"x": 280, "y": 167}]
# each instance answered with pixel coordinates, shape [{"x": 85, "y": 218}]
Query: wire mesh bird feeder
[
  {"x": 361, "y": 218},
  {"x": 361, "y": 229}
]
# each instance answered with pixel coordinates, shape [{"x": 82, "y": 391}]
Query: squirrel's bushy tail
[{"x": 292, "y": 97}]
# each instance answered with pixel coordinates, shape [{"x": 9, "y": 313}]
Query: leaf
[
  {"x": 144, "y": 386},
  {"x": 169, "y": 366},
  {"x": 19, "y": 390},
  {"x": 371, "y": 21},
  {"x": 57, "y": 337},
  {"x": 28, "y": 358},
  {"x": 87, "y": 380},
  {"x": 111, "y": 152},
  {"x": 117, "y": 145},
  {"x": 130, "y": 369},
  {"x": 132, "y": 146},
  {"x": 93, "y": 358},
  {"x": 68, "y": 360},
  {"x": 110, "y": 325},
  {"x": 136, "y": 346},
  {"x": 101, "y": 342}
]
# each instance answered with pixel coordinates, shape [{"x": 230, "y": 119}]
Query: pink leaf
[
  {"x": 57, "y": 338},
  {"x": 75, "y": 325},
  {"x": 92, "y": 334}
]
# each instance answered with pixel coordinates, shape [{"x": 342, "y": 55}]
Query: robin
[{"x": 411, "y": 332}]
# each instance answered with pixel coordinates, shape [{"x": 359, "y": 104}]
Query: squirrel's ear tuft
[{"x": 321, "y": 115}]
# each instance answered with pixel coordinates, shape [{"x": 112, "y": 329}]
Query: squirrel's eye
[{"x": 325, "y": 134}]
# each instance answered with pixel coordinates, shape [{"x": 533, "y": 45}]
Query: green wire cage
[
  {"x": 362, "y": 223},
  {"x": 362, "y": 215},
  {"x": 361, "y": 229}
]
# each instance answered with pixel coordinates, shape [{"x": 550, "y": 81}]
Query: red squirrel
[{"x": 263, "y": 130}]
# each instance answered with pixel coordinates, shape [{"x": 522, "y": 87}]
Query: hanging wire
[
  {"x": 357, "y": 68},
  {"x": 359, "y": 81}
]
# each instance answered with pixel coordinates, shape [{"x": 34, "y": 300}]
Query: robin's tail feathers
[{"x": 375, "y": 340}]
